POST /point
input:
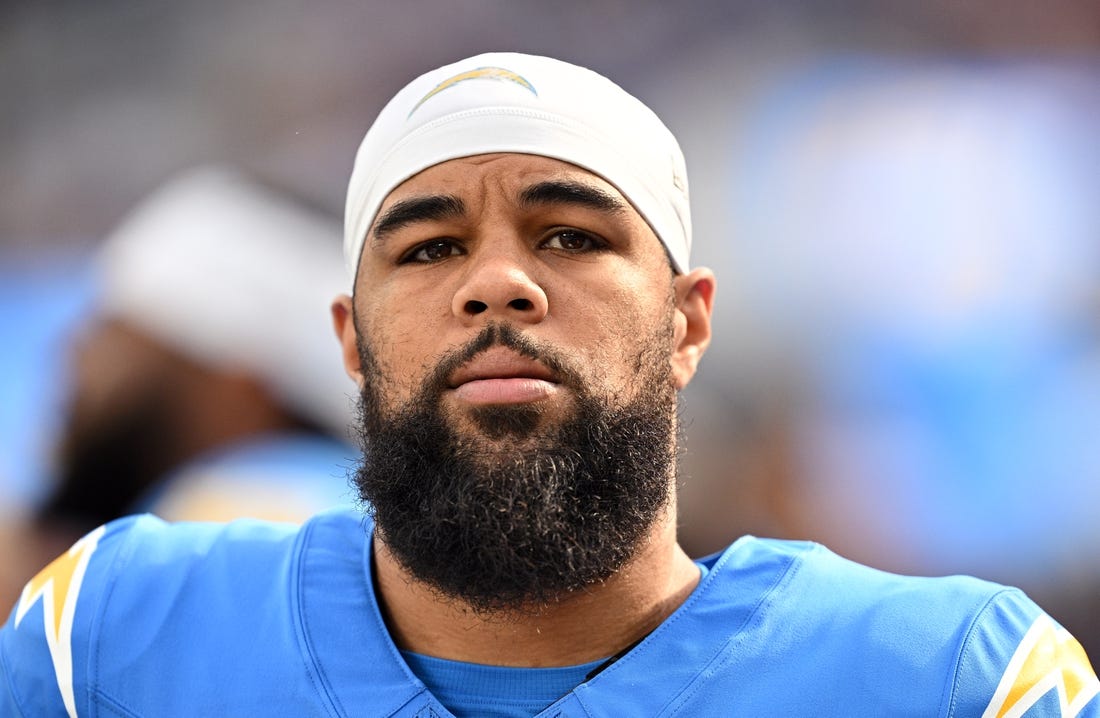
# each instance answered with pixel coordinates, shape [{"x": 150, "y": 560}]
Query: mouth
[{"x": 501, "y": 376}]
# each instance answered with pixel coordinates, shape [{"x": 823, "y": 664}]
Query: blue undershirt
[{"x": 473, "y": 690}]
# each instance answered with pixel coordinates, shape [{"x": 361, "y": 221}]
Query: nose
[{"x": 499, "y": 287}]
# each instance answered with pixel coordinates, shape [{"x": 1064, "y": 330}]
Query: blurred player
[{"x": 203, "y": 385}]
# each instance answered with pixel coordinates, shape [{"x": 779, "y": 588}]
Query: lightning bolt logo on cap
[
  {"x": 1048, "y": 658},
  {"x": 486, "y": 73},
  {"x": 58, "y": 585}
]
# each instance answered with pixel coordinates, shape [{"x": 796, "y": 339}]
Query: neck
[{"x": 583, "y": 626}]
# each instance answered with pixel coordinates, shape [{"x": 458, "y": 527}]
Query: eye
[
  {"x": 433, "y": 251},
  {"x": 573, "y": 240}
]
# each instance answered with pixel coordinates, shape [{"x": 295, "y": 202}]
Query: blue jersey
[
  {"x": 145, "y": 618},
  {"x": 284, "y": 476}
]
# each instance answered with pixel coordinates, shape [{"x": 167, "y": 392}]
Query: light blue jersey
[
  {"x": 283, "y": 476},
  {"x": 144, "y": 618}
]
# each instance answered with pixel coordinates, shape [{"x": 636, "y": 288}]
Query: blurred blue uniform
[
  {"x": 256, "y": 618},
  {"x": 279, "y": 476}
]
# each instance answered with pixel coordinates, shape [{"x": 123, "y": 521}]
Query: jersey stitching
[
  {"x": 116, "y": 706},
  {"x": 687, "y": 691},
  {"x": 317, "y": 675},
  {"x": 394, "y": 652},
  {"x": 10, "y": 684},
  {"x": 694, "y": 598},
  {"x": 722, "y": 655},
  {"x": 114, "y": 571},
  {"x": 955, "y": 676}
]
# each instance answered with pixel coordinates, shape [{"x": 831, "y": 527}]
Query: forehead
[{"x": 507, "y": 171}]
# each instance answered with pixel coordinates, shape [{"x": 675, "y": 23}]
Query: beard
[
  {"x": 532, "y": 510},
  {"x": 104, "y": 466}
]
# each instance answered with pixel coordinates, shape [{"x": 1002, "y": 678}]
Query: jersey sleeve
[
  {"x": 44, "y": 644},
  {"x": 1017, "y": 662}
]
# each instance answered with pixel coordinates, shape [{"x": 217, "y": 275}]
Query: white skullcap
[
  {"x": 510, "y": 102},
  {"x": 233, "y": 276}
]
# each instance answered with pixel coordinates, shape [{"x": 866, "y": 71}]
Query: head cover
[
  {"x": 509, "y": 102},
  {"x": 234, "y": 276}
]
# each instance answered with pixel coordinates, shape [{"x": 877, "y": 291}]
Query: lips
[
  {"x": 500, "y": 363},
  {"x": 501, "y": 376}
]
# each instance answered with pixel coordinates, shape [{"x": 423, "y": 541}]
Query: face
[
  {"x": 519, "y": 336},
  {"x": 536, "y": 243}
]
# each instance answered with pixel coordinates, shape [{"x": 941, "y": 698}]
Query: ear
[
  {"x": 691, "y": 324},
  {"x": 343, "y": 322}
]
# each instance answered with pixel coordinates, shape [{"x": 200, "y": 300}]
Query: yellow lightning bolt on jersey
[
  {"x": 58, "y": 585},
  {"x": 1048, "y": 658},
  {"x": 488, "y": 73}
]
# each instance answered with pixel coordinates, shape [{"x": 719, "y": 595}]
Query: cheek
[
  {"x": 615, "y": 341},
  {"x": 397, "y": 342},
  {"x": 398, "y": 309},
  {"x": 404, "y": 310},
  {"x": 609, "y": 321}
]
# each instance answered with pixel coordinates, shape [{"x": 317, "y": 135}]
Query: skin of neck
[{"x": 584, "y": 626}]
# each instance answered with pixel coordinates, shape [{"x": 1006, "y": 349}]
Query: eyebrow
[
  {"x": 417, "y": 209},
  {"x": 564, "y": 192}
]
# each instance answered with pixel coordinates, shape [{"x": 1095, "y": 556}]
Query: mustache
[{"x": 503, "y": 335}]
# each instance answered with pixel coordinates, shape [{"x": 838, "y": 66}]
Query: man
[
  {"x": 522, "y": 315},
  {"x": 200, "y": 362},
  {"x": 200, "y": 387}
]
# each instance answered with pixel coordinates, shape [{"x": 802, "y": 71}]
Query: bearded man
[{"x": 522, "y": 315}]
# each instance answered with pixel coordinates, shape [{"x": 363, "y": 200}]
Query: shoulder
[
  {"x": 1016, "y": 660},
  {"x": 840, "y": 586},
  {"x": 140, "y": 582},
  {"x": 969, "y": 644}
]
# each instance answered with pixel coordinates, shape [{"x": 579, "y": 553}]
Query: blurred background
[{"x": 899, "y": 200}]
